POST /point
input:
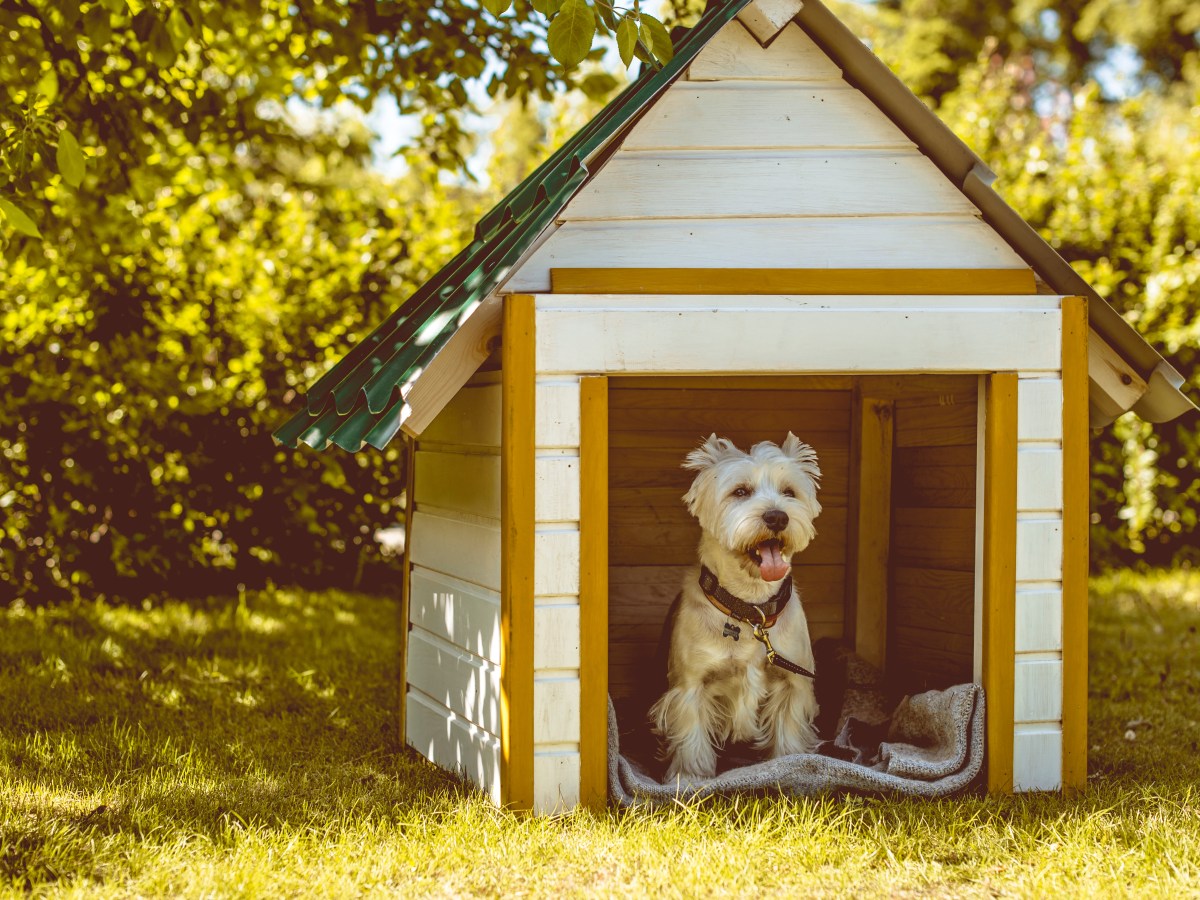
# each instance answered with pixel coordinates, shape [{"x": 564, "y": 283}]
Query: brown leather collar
[{"x": 764, "y": 614}]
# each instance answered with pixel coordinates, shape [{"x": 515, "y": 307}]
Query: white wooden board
[
  {"x": 555, "y": 562},
  {"x": 556, "y": 488},
  {"x": 1039, "y": 620},
  {"x": 760, "y": 115},
  {"x": 471, "y": 418},
  {"x": 726, "y": 186},
  {"x": 555, "y": 710},
  {"x": 1037, "y": 690},
  {"x": 1039, "y": 479},
  {"x": 1039, "y": 549},
  {"x": 467, "y": 550},
  {"x": 1039, "y": 409},
  {"x": 555, "y": 782},
  {"x": 464, "y": 482},
  {"x": 1037, "y": 759},
  {"x": 463, "y": 614},
  {"x": 557, "y": 413},
  {"x": 463, "y": 683},
  {"x": 556, "y": 636},
  {"x": 799, "y": 340},
  {"x": 734, "y": 54},
  {"x": 962, "y": 242},
  {"x": 445, "y": 739}
]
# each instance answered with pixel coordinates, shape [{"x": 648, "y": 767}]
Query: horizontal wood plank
[
  {"x": 556, "y": 487},
  {"x": 454, "y": 744},
  {"x": 1037, "y": 759},
  {"x": 463, "y": 614},
  {"x": 468, "y": 483},
  {"x": 1039, "y": 409},
  {"x": 466, "y": 684},
  {"x": 555, "y": 710},
  {"x": 1039, "y": 620},
  {"x": 469, "y": 551},
  {"x": 758, "y": 116},
  {"x": 556, "y": 636},
  {"x": 556, "y": 562},
  {"x": 471, "y": 418},
  {"x": 769, "y": 340},
  {"x": 835, "y": 243},
  {"x": 557, "y": 414},
  {"x": 1037, "y": 689},
  {"x": 796, "y": 282},
  {"x": 1039, "y": 549},
  {"x": 724, "y": 186},
  {"x": 1039, "y": 479},
  {"x": 555, "y": 782}
]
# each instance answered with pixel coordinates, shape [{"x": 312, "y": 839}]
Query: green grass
[{"x": 248, "y": 748}]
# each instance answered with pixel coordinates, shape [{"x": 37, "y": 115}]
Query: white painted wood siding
[
  {"x": 1038, "y": 674},
  {"x": 734, "y": 55},
  {"x": 453, "y": 649},
  {"x": 765, "y": 158},
  {"x": 556, "y": 709},
  {"x": 781, "y": 335}
]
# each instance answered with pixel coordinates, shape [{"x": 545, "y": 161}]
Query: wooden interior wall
[
  {"x": 932, "y": 591},
  {"x": 652, "y": 538}
]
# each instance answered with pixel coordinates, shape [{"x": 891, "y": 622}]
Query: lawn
[{"x": 247, "y": 746}]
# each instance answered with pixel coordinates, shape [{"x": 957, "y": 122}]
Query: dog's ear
[
  {"x": 709, "y": 453},
  {"x": 804, "y": 455}
]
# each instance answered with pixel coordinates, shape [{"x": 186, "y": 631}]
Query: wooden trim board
[
  {"x": 518, "y": 391},
  {"x": 870, "y": 533},
  {"x": 1000, "y": 576},
  {"x": 593, "y": 592},
  {"x": 1075, "y": 543},
  {"x": 792, "y": 281},
  {"x": 410, "y": 502}
]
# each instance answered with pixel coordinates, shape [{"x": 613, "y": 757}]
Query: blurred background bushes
[{"x": 216, "y": 257}]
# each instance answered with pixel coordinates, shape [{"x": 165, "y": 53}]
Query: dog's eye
[
  {"x": 740, "y": 491},
  {"x": 788, "y": 492}
]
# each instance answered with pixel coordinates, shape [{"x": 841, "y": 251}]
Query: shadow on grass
[{"x": 274, "y": 708}]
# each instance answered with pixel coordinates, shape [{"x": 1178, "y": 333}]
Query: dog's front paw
[{"x": 686, "y": 778}]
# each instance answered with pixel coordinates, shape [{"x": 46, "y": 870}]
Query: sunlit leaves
[
  {"x": 17, "y": 219},
  {"x": 70, "y": 159},
  {"x": 656, "y": 38},
  {"x": 627, "y": 38},
  {"x": 571, "y": 32},
  {"x": 497, "y": 7}
]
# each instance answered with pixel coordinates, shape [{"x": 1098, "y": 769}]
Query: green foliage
[
  {"x": 129, "y": 80},
  {"x": 575, "y": 24},
  {"x": 147, "y": 347}
]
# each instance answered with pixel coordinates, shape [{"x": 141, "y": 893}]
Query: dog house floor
[{"x": 931, "y": 456}]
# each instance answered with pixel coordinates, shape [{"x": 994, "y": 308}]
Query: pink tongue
[{"x": 773, "y": 566}]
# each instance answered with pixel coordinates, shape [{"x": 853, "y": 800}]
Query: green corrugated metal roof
[{"x": 358, "y": 401}]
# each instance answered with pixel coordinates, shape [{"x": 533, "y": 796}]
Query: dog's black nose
[{"x": 775, "y": 519}]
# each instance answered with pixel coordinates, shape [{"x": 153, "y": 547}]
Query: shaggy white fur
[{"x": 755, "y": 511}]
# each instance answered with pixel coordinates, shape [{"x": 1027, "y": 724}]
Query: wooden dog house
[{"x": 770, "y": 233}]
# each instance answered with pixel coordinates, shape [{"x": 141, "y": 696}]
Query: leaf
[
  {"x": 598, "y": 85},
  {"x": 570, "y": 34},
  {"x": 497, "y": 7},
  {"x": 72, "y": 164},
  {"x": 18, "y": 219},
  {"x": 547, "y": 7},
  {"x": 659, "y": 42},
  {"x": 606, "y": 14},
  {"x": 47, "y": 85},
  {"x": 179, "y": 28},
  {"x": 161, "y": 47},
  {"x": 627, "y": 35}
]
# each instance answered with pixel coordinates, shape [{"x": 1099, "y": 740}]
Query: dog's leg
[
  {"x": 745, "y": 723},
  {"x": 788, "y": 717},
  {"x": 686, "y": 717}
]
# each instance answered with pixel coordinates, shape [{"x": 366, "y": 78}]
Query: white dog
[{"x": 755, "y": 509}]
